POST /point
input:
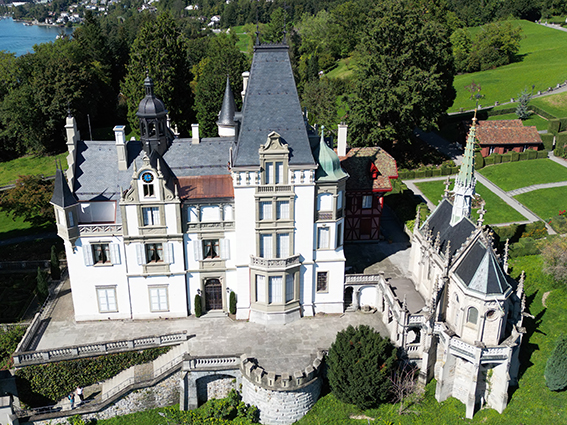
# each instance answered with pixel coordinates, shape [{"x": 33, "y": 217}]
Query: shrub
[
  {"x": 556, "y": 366},
  {"x": 525, "y": 246},
  {"x": 532, "y": 154},
  {"x": 523, "y": 156},
  {"x": 360, "y": 364},
  {"x": 478, "y": 161},
  {"x": 541, "y": 154},
  {"x": 232, "y": 303},
  {"x": 536, "y": 230},
  {"x": 54, "y": 264},
  {"x": 40, "y": 385},
  {"x": 9, "y": 340},
  {"x": 547, "y": 140},
  {"x": 506, "y": 157},
  {"x": 515, "y": 156},
  {"x": 497, "y": 158},
  {"x": 553, "y": 126},
  {"x": 559, "y": 223},
  {"x": 198, "y": 306},
  {"x": 489, "y": 160},
  {"x": 42, "y": 288}
]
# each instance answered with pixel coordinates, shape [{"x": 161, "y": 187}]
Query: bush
[
  {"x": 478, "y": 161},
  {"x": 525, "y": 246},
  {"x": 54, "y": 264},
  {"x": 506, "y": 157},
  {"x": 536, "y": 230},
  {"x": 198, "y": 306},
  {"x": 45, "y": 384},
  {"x": 553, "y": 126},
  {"x": 556, "y": 366},
  {"x": 559, "y": 224},
  {"x": 360, "y": 364},
  {"x": 9, "y": 341},
  {"x": 515, "y": 156},
  {"x": 532, "y": 154},
  {"x": 497, "y": 158},
  {"x": 232, "y": 303},
  {"x": 42, "y": 288},
  {"x": 547, "y": 140},
  {"x": 541, "y": 154},
  {"x": 524, "y": 156}
]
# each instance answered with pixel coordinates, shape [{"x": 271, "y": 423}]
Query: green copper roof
[
  {"x": 329, "y": 164},
  {"x": 466, "y": 172}
]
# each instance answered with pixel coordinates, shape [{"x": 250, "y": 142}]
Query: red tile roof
[
  {"x": 506, "y": 132},
  {"x": 206, "y": 187},
  {"x": 357, "y": 163}
]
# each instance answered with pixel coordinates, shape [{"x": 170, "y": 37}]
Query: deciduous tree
[
  {"x": 554, "y": 255},
  {"x": 405, "y": 75},
  {"x": 29, "y": 199}
]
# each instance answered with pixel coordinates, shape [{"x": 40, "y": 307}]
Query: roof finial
[
  {"x": 506, "y": 248},
  {"x": 284, "y": 22},
  {"x": 481, "y": 213},
  {"x": 69, "y": 110},
  {"x": 257, "y": 28},
  {"x": 447, "y": 184}
]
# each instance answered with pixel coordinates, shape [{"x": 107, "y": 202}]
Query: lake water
[{"x": 19, "y": 38}]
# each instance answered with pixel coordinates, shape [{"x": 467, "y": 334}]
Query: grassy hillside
[
  {"x": 10, "y": 170},
  {"x": 543, "y": 63}
]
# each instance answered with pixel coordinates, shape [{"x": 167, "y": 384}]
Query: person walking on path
[
  {"x": 79, "y": 392},
  {"x": 71, "y": 398}
]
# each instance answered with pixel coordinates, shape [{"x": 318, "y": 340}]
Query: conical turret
[{"x": 226, "y": 124}]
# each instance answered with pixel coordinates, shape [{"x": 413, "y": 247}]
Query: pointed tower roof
[
  {"x": 62, "y": 195},
  {"x": 226, "y": 115},
  {"x": 329, "y": 163},
  {"x": 466, "y": 171}
]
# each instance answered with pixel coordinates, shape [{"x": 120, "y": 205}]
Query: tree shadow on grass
[{"x": 527, "y": 348}]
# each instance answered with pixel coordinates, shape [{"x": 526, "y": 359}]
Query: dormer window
[{"x": 274, "y": 160}]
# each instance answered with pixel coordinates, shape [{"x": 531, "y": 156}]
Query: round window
[
  {"x": 148, "y": 177},
  {"x": 491, "y": 314}
]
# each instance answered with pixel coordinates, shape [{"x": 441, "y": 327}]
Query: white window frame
[
  {"x": 266, "y": 210},
  {"x": 289, "y": 287},
  {"x": 266, "y": 245},
  {"x": 340, "y": 235},
  {"x": 260, "y": 290},
  {"x": 275, "y": 289},
  {"x": 104, "y": 301},
  {"x": 151, "y": 216},
  {"x": 161, "y": 295},
  {"x": 323, "y": 237},
  {"x": 282, "y": 210},
  {"x": 282, "y": 245}
]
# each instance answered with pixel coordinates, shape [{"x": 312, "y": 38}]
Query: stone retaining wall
[
  {"x": 281, "y": 407},
  {"x": 165, "y": 393}
]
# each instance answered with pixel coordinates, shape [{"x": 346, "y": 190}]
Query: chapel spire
[
  {"x": 226, "y": 125},
  {"x": 465, "y": 182}
]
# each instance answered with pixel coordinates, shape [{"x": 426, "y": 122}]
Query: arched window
[{"x": 472, "y": 315}]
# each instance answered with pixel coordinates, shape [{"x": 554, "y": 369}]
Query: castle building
[
  {"x": 470, "y": 327},
  {"x": 257, "y": 211}
]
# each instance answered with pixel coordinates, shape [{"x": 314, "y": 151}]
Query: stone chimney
[
  {"x": 245, "y": 76},
  {"x": 341, "y": 140},
  {"x": 121, "y": 147},
  {"x": 73, "y": 137},
  {"x": 195, "y": 139}
]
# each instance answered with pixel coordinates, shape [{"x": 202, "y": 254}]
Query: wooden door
[{"x": 213, "y": 295}]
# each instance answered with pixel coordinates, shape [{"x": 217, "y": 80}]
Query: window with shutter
[
  {"x": 211, "y": 249},
  {"x": 114, "y": 253},
  {"x": 158, "y": 299},
  {"x": 282, "y": 210},
  {"x": 88, "y": 255},
  {"x": 106, "y": 300},
  {"x": 289, "y": 288},
  {"x": 260, "y": 288},
  {"x": 101, "y": 253},
  {"x": 275, "y": 289}
]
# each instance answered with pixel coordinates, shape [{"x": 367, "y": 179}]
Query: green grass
[
  {"x": 514, "y": 175},
  {"x": 243, "y": 38},
  {"x": 497, "y": 211},
  {"x": 14, "y": 228},
  {"x": 344, "y": 69},
  {"x": 10, "y": 170},
  {"x": 543, "y": 64},
  {"x": 534, "y": 120},
  {"x": 545, "y": 203},
  {"x": 555, "y": 104}
]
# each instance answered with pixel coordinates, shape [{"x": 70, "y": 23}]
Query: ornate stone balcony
[
  {"x": 98, "y": 229},
  {"x": 274, "y": 263}
]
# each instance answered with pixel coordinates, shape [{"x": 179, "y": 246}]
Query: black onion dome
[{"x": 150, "y": 106}]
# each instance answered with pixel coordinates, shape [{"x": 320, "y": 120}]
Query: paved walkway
[{"x": 535, "y": 187}]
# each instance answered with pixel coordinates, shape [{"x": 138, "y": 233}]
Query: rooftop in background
[
  {"x": 204, "y": 187},
  {"x": 362, "y": 164},
  {"x": 506, "y": 132}
]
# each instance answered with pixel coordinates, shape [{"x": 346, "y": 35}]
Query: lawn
[
  {"x": 545, "y": 203},
  {"x": 497, "y": 211},
  {"x": 14, "y": 228},
  {"x": 345, "y": 68},
  {"x": 534, "y": 120},
  {"x": 514, "y": 175},
  {"x": 542, "y": 63},
  {"x": 555, "y": 104},
  {"x": 10, "y": 170}
]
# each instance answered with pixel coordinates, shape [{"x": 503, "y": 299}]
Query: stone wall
[
  {"x": 165, "y": 393},
  {"x": 281, "y": 407},
  {"x": 214, "y": 386}
]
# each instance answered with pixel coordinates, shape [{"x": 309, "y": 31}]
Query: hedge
[
  {"x": 42, "y": 385},
  {"x": 541, "y": 154},
  {"x": 507, "y": 157},
  {"x": 515, "y": 156},
  {"x": 547, "y": 140},
  {"x": 557, "y": 125},
  {"x": 541, "y": 112},
  {"x": 504, "y": 111}
]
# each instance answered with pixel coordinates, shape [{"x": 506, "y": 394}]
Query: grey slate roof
[
  {"x": 272, "y": 104},
  {"x": 210, "y": 157},
  {"x": 62, "y": 196},
  {"x": 481, "y": 272},
  {"x": 226, "y": 115},
  {"x": 439, "y": 222}
]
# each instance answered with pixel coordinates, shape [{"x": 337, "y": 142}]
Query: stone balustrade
[
  {"x": 211, "y": 363},
  {"x": 358, "y": 279},
  {"x": 97, "y": 229},
  {"x": 280, "y": 381},
  {"x": 27, "y": 358},
  {"x": 274, "y": 263}
]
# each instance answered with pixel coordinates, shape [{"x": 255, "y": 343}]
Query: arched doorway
[{"x": 213, "y": 294}]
